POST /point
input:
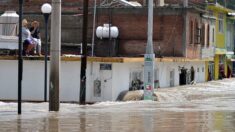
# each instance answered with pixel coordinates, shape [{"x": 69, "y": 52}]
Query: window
[
  {"x": 156, "y": 78},
  {"x": 136, "y": 79},
  {"x": 191, "y": 32},
  {"x": 160, "y": 35},
  {"x": 208, "y": 36},
  {"x": 213, "y": 35},
  {"x": 105, "y": 66},
  {"x": 229, "y": 38},
  {"x": 172, "y": 78},
  {"x": 221, "y": 23},
  {"x": 211, "y": 13},
  {"x": 197, "y": 33},
  {"x": 203, "y": 35}
]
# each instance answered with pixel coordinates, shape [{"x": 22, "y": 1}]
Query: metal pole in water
[
  {"x": 20, "y": 59},
  {"x": 93, "y": 32},
  {"x": 46, "y": 10},
  {"x": 149, "y": 57},
  {"x": 84, "y": 54},
  {"x": 46, "y": 16},
  {"x": 45, "y": 81}
]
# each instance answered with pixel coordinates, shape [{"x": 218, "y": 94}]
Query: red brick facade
[
  {"x": 171, "y": 30},
  {"x": 167, "y": 32},
  {"x": 69, "y": 5},
  {"x": 194, "y": 36}
]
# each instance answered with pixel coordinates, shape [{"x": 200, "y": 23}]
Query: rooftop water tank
[
  {"x": 161, "y": 2},
  {"x": 8, "y": 23},
  {"x": 103, "y": 31}
]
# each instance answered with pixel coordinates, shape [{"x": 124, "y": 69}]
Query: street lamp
[
  {"x": 20, "y": 60},
  {"x": 46, "y": 10}
]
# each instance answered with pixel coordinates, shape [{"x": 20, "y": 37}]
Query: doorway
[
  {"x": 102, "y": 85},
  {"x": 192, "y": 71},
  {"x": 183, "y": 76}
]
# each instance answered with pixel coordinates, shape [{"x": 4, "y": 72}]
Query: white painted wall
[{"x": 33, "y": 78}]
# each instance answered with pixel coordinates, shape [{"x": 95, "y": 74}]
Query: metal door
[
  {"x": 106, "y": 81},
  {"x": 172, "y": 78}
]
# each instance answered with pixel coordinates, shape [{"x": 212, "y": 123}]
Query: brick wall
[
  {"x": 132, "y": 23},
  {"x": 193, "y": 47},
  {"x": 68, "y": 5},
  {"x": 167, "y": 31},
  {"x": 34, "y": 6}
]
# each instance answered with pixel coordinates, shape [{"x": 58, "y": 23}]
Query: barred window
[
  {"x": 191, "y": 32},
  {"x": 197, "y": 34},
  {"x": 208, "y": 36}
]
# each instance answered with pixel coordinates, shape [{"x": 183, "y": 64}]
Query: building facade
[
  {"x": 191, "y": 45},
  {"x": 224, "y": 40}
]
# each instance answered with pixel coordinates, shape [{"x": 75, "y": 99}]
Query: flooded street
[{"x": 206, "y": 107}]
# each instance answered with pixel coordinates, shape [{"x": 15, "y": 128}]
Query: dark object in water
[{"x": 133, "y": 95}]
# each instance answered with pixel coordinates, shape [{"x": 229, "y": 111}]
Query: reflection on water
[{"x": 206, "y": 107}]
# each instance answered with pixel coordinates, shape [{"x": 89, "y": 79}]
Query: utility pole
[
  {"x": 84, "y": 53},
  {"x": 93, "y": 32},
  {"x": 55, "y": 48},
  {"x": 149, "y": 57},
  {"x": 20, "y": 59}
]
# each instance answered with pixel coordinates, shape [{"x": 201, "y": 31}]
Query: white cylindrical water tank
[
  {"x": 10, "y": 14},
  {"x": 99, "y": 32},
  {"x": 103, "y": 31},
  {"x": 8, "y": 23}
]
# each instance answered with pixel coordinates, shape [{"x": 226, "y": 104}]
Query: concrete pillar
[
  {"x": 216, "y": 67},
  {"x": 54, "y": 83},
  {"x": 225, "y": 66}
]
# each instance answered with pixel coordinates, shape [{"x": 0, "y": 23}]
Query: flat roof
[{"x": 110, "y": 59}]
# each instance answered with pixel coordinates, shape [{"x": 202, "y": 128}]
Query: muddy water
[{"x": 207, "y": 107}]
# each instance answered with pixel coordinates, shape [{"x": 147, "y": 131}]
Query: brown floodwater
[{"x": 205, "y": 107}]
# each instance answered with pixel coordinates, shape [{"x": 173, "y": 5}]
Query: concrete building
[
  {"x": 184, "y": 38},
  {"x": 224, "y": 39},
  {"x": 106, "y": 77}
]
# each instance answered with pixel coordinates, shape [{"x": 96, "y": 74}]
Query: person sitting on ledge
[
  {"x": 28, "y": 42},
  {"x": 35, "y": 33}
]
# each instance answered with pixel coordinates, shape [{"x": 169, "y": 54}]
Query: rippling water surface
[{"x": 206, "y": 107}]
